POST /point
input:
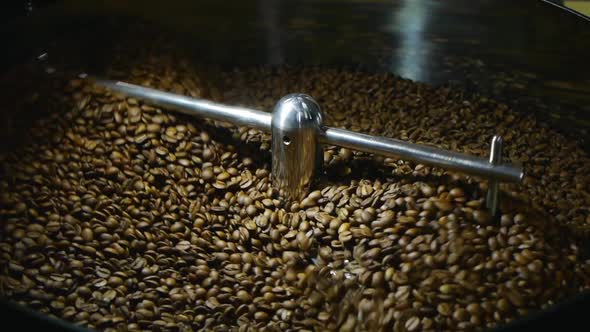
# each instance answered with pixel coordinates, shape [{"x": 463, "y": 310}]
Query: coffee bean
[
  {"x": 243, "y": 296},
  {"x": 460, "y": 315},
  {"x": 502, "y": 305},
  {"x": 115, "y": 281},
  {"x": 515, "y": 298},
  {"x": 121, "y": 215},
  {"x": 473, "y": 308},
  {"x": 456, "y": 192},
  {"x": 481, "y": 217},
  {"x": 443, "y": 205},
  {"x": 444, "y": 309},
  {"x": 260, "y": 316},
  {"x": 207, "y": 174},
  {"x": 153, "y": 127},
  {"x": 412, "y": 324},
  {"x": 251, "y": 210},
  {"x": 87, "y": 234},
  {"x": 177, "y": 227}
]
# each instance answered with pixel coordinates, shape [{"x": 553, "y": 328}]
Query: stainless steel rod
[
  {"x": 240, "y": 116},
  {"x": 390, "y": 147},
  {"x": 378, "y": 145}
]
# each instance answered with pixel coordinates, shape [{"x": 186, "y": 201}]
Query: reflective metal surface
[
  {"x": 494, "y": 185},
  {"x": 423, "y": 154},
  {"x": 295, "y": 112},
  {"x": 240, "y": 116},
  {"x": 296, "y": 152}
]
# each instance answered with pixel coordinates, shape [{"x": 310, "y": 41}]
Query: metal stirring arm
[{"x": 297, "y": 131}]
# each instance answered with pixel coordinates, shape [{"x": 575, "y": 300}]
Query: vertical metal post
[
  {"x": 493, "y": 185},
  {"x": 296, "y": 152}
]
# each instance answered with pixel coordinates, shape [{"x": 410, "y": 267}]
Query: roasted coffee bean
[{"x": 120, "y": 215}]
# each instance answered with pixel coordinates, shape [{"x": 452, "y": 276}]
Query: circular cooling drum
[{"x": 117, "y": 215}]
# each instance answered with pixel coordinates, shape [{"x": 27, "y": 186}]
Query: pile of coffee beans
[{"x": 117, "y": 215}]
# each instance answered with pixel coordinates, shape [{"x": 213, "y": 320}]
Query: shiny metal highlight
[
  {"x": 492, "y": 199},
  {"x": 297, "y": 117},
  {"x": 296, "y": 151},
  {"x": 390, "y": 147},
  {"x": 240, "y": 116}
]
